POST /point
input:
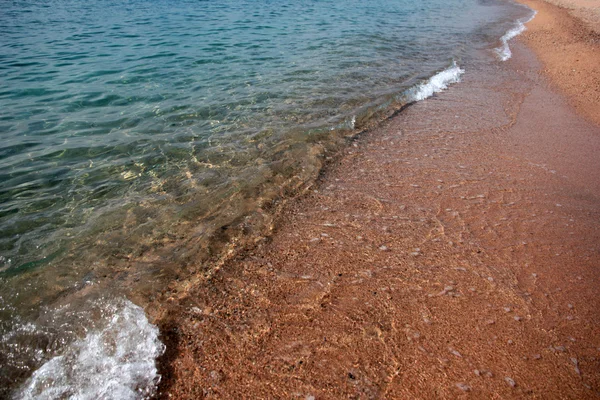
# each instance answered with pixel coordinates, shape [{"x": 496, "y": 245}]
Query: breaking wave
[
  {"x": 117, "y": 361},
  {"x": 436, "y": 83},
  {"x": 504, "y": 50}
]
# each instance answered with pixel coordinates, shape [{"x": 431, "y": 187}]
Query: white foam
[
  {"x": 117, "y": 361},
  {"x": 504, "y": 51},
  {"x": 436, "y": 83}
]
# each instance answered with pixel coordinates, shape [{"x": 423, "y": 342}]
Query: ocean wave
[
  {"x": 504, "y": 52},
  {"x": 117, "y": 361},
  {"x": 436, "y": 83}
]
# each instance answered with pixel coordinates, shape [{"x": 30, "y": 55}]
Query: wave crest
[
  {"x": 436, "y": 83},
  {"x": 504, "y": 50},
  {"x": 115, "y": 362}
]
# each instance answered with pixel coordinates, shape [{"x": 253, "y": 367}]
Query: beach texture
[
  {"x": 451, "y": 252},
  {"x": 569, "y": 50}
]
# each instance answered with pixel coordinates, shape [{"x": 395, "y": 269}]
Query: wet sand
[
  {"x": 569, "y": 50},
  {"x": 451, "y": 252},
  {"x": 587, "y": 11}
]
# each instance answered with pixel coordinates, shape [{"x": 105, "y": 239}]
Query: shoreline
[
  {"x": 420, "y": 264},
  {"x": 569, "y": 49},
  {"x": 153, "y": 266}
]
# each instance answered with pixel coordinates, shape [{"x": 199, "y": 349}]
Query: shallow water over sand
[
  {"x": 450, "y": 252},
  {"x": 141, "y": 142}
]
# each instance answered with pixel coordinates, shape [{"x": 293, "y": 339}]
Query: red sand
[
  {"x": 569, "y": 50},
  {"x": 451, "y": 252}
]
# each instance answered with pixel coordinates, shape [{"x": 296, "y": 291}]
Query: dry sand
[
  {"x": 586, "y": 10},
  {"x": 452, "y": 252}
]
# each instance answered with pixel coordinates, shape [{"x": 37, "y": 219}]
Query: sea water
[{"x": 140, "y": 139}]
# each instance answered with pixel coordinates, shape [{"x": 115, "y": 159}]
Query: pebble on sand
[
  {"x": 447, "y": 290},
  {"x": 416, "y": 252},
  {"x": 576, "y": 364},
  {"x": 483, "y": 372},
  {"x": 455, "y": 352},
  {"x": 510, "y": 381},
  {"x": 463, "y": 386}
]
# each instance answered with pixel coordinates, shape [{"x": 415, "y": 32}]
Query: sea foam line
[
  {"x": 421, "y": 91},
  {"x": 418, "y": 92},
  {"x": 435, "y": 84},
  {"x": 503, "y": 51},
  {"x": 117, "y": 361}
]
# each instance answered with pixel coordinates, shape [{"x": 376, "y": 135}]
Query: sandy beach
[
  {"x": 451, "y": 252},
  {"x": 569, "y": 50}
]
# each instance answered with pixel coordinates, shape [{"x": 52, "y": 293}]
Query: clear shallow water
[{"x": 134, "y": 134}]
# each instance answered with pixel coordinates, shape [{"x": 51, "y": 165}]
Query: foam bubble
[
  {"x": 117, "y": 361},
  {"x": 504, "y": 51},
  {"x": 436, "y": 83}
]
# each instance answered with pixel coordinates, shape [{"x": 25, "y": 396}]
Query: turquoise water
[{"x": 134, "y": 134}]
